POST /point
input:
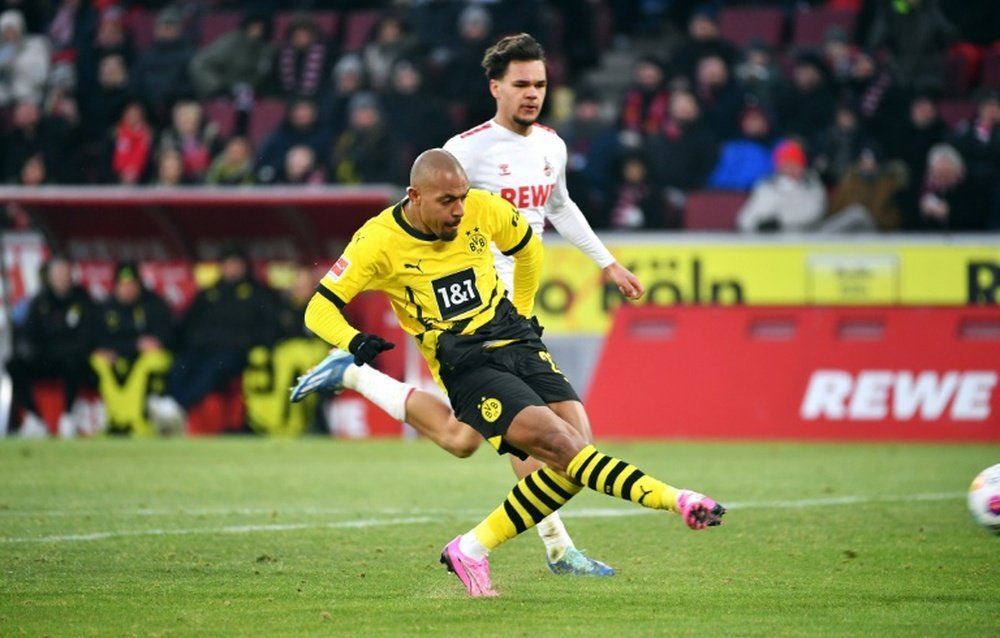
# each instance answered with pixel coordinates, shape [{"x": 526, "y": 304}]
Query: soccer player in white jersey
[{"x": 525, "y": 163}]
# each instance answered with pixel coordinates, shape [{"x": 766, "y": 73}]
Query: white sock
[
  {"x": 554, "y": 535},
  {"x": 471, "y": 547},
  {"x": 379, "y": 388}
]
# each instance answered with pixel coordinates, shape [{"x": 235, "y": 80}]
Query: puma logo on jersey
[
  {"x": 415, "y": 266},
  {"x": 528, "y": 196}
]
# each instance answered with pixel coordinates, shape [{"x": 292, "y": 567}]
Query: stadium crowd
[{"x": 843, "y": 133}]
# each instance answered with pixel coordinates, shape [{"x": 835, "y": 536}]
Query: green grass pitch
[{"x": 254, "y": 537}]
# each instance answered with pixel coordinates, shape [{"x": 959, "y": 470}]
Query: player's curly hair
[{"x": 520, "y": 48}]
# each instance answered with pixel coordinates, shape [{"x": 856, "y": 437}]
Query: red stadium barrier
[
  {"x": 927, "y": 374},
  {"x": 160, "y": 224}
]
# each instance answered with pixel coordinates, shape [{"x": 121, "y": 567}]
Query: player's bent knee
[{"x": 463, "y": 440}]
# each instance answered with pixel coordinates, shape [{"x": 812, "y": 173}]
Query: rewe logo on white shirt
[
  {"x": 525, "y": 196},
  {"x": 873, "y": 395}
]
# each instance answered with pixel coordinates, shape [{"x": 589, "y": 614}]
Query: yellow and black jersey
[{"x": 433, "y": 285}]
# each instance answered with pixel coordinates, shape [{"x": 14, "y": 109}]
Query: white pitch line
[
  {"x": 439, "y": 516},
  {"x": 228, "y": 529}
]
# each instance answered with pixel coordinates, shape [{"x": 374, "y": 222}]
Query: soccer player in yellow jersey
[
  {"x": 430, "y": 254},
  {"x": 513, "y": 156}
]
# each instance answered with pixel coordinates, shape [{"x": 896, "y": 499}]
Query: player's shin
[
  {"x": 379, "y": 388},
  {"x": 608, "y": 475},
  {"x": 532, "y": 499}
]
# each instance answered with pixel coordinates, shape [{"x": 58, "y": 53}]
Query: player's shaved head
[
  {"x": 432, "y": 163},
  {"x": 437, "y": 192}
]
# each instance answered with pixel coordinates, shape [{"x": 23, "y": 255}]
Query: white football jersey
[{"x": 529, "y": 171}]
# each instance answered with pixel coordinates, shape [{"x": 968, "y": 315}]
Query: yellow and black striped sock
[
  {"x": 603, "y": 473},
  {"x": 533, "y": 498}
]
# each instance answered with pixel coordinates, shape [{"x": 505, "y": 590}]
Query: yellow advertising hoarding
[{"x": 574, "y": 299}]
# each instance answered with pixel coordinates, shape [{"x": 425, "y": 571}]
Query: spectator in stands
[
  {"x": 170, "y": 168},
  {"x": 110, "y": 37},
  {"x": 302, "y": 66},
  {"x": 195, "y": 139},
  {"x": 238, "y": 63},
  {"x": 838, "y": 55},
  {"x": 922, "y": 129},
  {"x": 131, "y": 334},
  {"x": 65, "y": 31},
  {"x": 215, "y": 335},
  {"x": 24, "y": 61},
  {"x": 760, "y": 76},
  {"x": 461, "y": 71},
  {"x": 416, "y": 119},
  {"x": 234, "y": 166},
  {"x": 838, "y": 146},
  {"x": 703, "y": 40},
  {"x": 876, "y": 96},
  {"x": 301, "y": 127},
  {"x": 978, "y": 140},
  {"x": 645, "y": 108},
  {"x": 102, "y": 105},
  {"x": 684, "y": 153},
  {"x": 867, "y": 197},
  {"x": 32, "y": 136},
  {"x": 52, "y": 344},
  {"x": 745, "y": 159},
  {"x": 160, "y": 75},
  {"x": 916, "y": 34},
  {"x": 132, "y": 145},
  {"x": 592, "y": 147},
  {"x": 636, "y": 200},
  {"x": 300, "y": 167},
  {"x": 791, "y": 200},
  {"x": 62, "y": 116},
  {"x": 33, "y": 172},
  {"x": 720, "y": 97},
  {"x": 807, "y": 106},
  {"x": 389, "y": 43},
  {"x": 363, "y": 152},
  {"x": 950, "y": 200},
  {"x": 348, "y": 80}
]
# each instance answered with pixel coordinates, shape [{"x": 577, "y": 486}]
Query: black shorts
[{"x": 507, "y": 380}]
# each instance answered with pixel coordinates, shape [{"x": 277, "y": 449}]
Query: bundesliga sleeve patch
[{"x": 338, "y": 268}]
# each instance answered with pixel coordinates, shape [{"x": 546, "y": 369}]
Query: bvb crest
[{"x": 476, "y": 241}]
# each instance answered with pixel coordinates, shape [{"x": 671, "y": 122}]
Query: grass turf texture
[{"x": 320, "y": 537}]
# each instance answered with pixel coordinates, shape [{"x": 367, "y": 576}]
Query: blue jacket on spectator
[{"x": 741, "y": 164}]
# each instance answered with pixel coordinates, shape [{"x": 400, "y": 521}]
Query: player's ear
[
  {"x": 412, "y": 194},
  {"x": 495, "y": 88}
]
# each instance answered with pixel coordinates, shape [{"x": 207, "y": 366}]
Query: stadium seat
[
  {"x": 267, "y": 115},
  {"x": 358, "y": 28},
  {"x": 325, "y": 20},
  {"x": 140, "y": 25},
  {"x": 810, "y": 26},
  {"x": 963, "y": 62},
  {"x": 712, "y": 210},
  {"x": 216, "y": 24},
  {"x": 604, "y": 25},
  {"x": 222, "y": 113},
  {"x": 739, "y": 25},
  {"x": 991, "y": 68},
  {"x": 955, "y": 110}
]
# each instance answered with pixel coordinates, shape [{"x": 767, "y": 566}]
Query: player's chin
[
  {"x": 526, "y": 119},
  {"x": 448, "y": 234}
]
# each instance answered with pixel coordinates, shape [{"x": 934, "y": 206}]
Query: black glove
[{"x": 365, "y": 347}]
